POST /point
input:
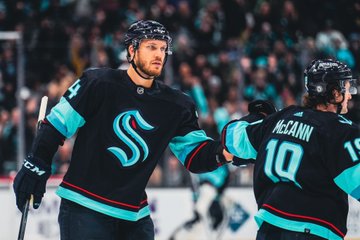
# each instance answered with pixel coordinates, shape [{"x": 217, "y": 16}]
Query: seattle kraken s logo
[{"x": 124, "y": 119}]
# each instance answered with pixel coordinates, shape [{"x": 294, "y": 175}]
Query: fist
[{"x": 264, "y": 107}]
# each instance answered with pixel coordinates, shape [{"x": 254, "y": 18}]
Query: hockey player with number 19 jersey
[{"x": 307, "y": 158}]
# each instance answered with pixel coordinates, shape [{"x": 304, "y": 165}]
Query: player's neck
[
  {"x": 137, "y": 79},
  {"x": 327, "y": 108}
]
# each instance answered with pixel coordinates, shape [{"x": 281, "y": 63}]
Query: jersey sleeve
[
  {"x": 194, "y": 149},
  {"x": 236, "y": 139},
  {"x": 243, "y": 137},
  {"x": 78, "y": 103},
  {"x": 344, "y": 160}
]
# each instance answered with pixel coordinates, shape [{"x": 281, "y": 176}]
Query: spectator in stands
[{"x": 58, "y": 33}]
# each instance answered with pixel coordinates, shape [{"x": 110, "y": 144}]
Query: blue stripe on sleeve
[
  {"x": 216, "y": 177},
  {"x": 349, "y": 181},
  {"x": 237, "y": 140},
  {"x": 181, "y": 146},
  {"x": 65, "y": 118}
]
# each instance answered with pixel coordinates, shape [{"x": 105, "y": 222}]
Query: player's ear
[{"x": 131, "y": 51}]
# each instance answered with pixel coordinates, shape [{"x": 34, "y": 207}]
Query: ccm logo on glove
[{"x": 33, "y": 168}]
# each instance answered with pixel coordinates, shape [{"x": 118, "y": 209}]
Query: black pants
[
  {"x": 80, "y": 223},
  {"x": 270, "y": 232}
]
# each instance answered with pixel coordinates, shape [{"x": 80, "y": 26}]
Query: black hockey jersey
[
  {"x": 122, "y": 130},
  {"x": 307, "y": 161}
]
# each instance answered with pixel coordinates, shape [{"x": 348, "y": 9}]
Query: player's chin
[{"x": 156, "y": 72}]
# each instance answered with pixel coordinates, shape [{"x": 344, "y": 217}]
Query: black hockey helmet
[
  {"x": 147, "y": 29},
  {"x": 322, "y": 76}
]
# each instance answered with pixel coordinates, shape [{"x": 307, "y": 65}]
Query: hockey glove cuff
[
  {"x": 241, "y": 162},
  {"x": 31, "y": 180}
]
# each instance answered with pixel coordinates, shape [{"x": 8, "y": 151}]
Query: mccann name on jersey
[{"x": 296, "y": 129}]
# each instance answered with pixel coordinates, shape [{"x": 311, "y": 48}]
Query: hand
[
  {"x": 228, "y": 156},
  {"x": 31, "y": 180},
  {"x": 264, "y": 107},
  {"x": 235, "y": 160}
]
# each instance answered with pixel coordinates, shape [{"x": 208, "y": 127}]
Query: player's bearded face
[{"x": 150, "y": 57}]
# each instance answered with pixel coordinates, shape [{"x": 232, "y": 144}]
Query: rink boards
[{"x": 170, "y": 208}]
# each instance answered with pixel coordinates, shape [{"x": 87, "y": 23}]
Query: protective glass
[{"x": 349, "y": 86}]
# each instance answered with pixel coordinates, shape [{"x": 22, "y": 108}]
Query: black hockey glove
[
  {"x": 220, "y": 158},
  {"x": 265, "y": 107},
  {"x": 31, "y": 180},
  {"x": 259, "y": 109}
]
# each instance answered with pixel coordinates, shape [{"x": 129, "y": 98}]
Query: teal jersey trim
[
  {"x": 295, "y": 226},
  {"x": 181, "y": 146},
  {"x": 237, "y": 140},
  {"x": 102, "y": 208},
  {"x": 216, "y": 177},
  {"x": 65, "y": 118},
  {"x": 349, "y": 181}
]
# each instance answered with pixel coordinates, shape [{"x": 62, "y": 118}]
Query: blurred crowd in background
[{"x": 225, "y": 54}]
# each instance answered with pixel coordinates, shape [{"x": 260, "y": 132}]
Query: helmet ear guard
[
  {"x": 317, "y": 88},
  {"x": 135, "y": 43}
]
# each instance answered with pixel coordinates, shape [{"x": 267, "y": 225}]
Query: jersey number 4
[
  {"x": 74, "y": 89},
  {"x": 283, "y": 161}
]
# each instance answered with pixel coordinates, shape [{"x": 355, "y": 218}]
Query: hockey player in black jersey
[
  {"x": 307, "y": 158},
  {"x": 124, "y": 120}
]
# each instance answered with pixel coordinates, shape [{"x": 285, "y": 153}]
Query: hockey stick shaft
[
  {"x": 23, "y": 220},
  {"x": 25, "y": 211},
  {"x": 42, "y": 110}
]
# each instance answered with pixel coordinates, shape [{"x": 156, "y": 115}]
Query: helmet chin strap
[
  {"x": 135, "y": 68},
  {"x": 339, "y": 105},
  {"x": 331, "y": 98}
]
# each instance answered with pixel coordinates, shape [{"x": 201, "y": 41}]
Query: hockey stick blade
[{"x": 42, "y": 110}]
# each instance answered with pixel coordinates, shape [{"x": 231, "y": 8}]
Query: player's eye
[{"x": 151, "y": 47}]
